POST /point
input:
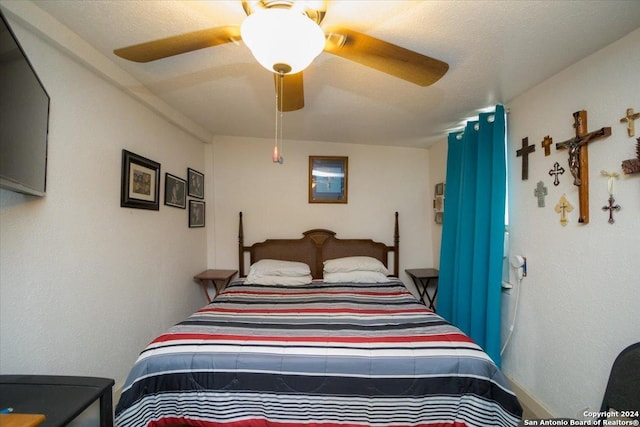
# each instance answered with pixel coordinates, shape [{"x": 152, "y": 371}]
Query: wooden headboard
[{"x": 317, "y": 246}]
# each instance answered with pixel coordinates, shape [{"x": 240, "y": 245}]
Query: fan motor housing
[{"x": 315, "y": 15}]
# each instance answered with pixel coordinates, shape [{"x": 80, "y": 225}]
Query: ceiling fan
[{"x": 349, "y": 44}]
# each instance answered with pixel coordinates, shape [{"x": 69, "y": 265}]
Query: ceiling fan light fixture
[{"x": 282, "y": 40}]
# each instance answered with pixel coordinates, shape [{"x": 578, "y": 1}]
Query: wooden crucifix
[
  {"x": 628, "y": 119},
  {"x": 524, "y": 152},
  {"x": 579, "y": 158}
]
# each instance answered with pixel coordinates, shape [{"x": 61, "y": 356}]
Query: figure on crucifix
[
  {"x": 574, "y": 155},
  {"x": 575, "y": 144}
]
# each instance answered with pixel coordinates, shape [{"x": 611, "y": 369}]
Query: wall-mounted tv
[{"x": 24, "y": 119}]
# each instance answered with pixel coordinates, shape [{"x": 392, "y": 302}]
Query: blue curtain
[{"x": 469, "y": 286}]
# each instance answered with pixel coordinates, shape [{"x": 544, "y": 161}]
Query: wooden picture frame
[
  {"x": 175, "y": 191},
  {"x": 195, "y": 181},
  {"x": 196, "y": 213},
  {"x": 438, "y": 203},
  {"x": 328, "y": 179},
  {"x": 140, "y": 182}
]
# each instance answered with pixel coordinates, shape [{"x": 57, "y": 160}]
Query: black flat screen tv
[{"x": 24, "y": 119}]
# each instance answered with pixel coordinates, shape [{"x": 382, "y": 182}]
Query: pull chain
[{"x": 277, "y": 147}]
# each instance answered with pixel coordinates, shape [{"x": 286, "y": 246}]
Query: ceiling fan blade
[
  {"x": 292, "y": 91},
  {"x": 183, "y": 43},
  {"x": 383, "y": 56}
]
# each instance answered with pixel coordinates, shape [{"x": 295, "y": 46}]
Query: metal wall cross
[
  {"x": 611, "y": 207},
  {"x": 557, "y": 170},
  {"x": 524, "y": 153},
  {"x": 540, "y": 192},
  {"x": 611, "y": 177}
]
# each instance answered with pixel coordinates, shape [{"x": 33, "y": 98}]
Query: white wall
[
  {"x": 274, "y": 198},
  {"x": 579, "y": 302},
  {"x": 85, "y": 284}
]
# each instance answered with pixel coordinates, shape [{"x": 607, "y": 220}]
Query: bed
[{"x": 323, "y": 353}]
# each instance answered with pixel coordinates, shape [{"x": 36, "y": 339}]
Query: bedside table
[
  {"x": 422, "y": 278},
  {"x": 218, "y": 278},
  {"x": 21, "y": 420},
  {"x": 58, "y": 398}
]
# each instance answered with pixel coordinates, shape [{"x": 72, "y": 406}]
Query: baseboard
[{"x": 530, "y": 405}]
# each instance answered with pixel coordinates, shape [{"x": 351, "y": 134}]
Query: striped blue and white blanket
[{"x": 315, "y": 355}]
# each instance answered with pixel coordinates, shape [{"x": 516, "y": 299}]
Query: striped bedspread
[{"x": 315, "y": 355}]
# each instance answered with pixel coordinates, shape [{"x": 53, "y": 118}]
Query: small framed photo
[
  {"x": 175, "y": 191},
  {"x": 140, "y": 182},
  {"x": 196, "y": 183},
  {"x": 196, "y": 213},
  {"x": 328, "y": 179},
  {"x": 438, "y": 203},
  {"x": 439, "y": 217}
]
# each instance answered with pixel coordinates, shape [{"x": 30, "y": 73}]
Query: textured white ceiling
[{"x": 496, "y": 51}]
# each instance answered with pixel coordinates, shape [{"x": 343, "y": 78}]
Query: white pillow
[
  {"x": 354, "y": 263},
  {"x": 356, "y": 277},
  {"x": 276, "y": 267},
  {"x": 278, "y": 280}
]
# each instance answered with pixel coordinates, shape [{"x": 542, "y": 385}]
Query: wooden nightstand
[
  {"x": 218, "y": 278},
  {"x": 422, "y": 278}
]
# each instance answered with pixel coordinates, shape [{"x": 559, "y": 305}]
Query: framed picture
[
  {"x": 175, "y": 191},
  {"x": 140, "y": 182},
  {"x": 328, "y": 179},
  {"x": 438, "y": 203},
  {"x": 439, "y": 217},
  {"x": 196, "y": 213},
  {"x": 196, "y": 183}
]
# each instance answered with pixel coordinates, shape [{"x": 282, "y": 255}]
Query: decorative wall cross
[
  {"x": 557, "y": 170},
  {"x": 632, "y": 165},
  {"x": 610, "y": 207},
  {"x": 563, "y": 207},
  {"x": 540, "y": 192},
  {"x": 524, "y": 153},
  {"x": 629, "y": 120},
  {"x": 546, "y": 144},
  {"x": 579, "y": 158}
]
